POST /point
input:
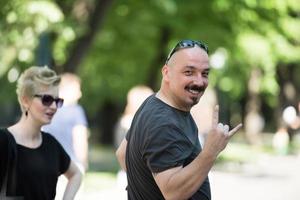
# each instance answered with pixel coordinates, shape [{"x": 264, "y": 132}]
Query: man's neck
[{"x": 167, "y": 100}]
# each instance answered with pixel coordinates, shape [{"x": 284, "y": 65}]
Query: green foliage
[{"x": 255, "y": 34}]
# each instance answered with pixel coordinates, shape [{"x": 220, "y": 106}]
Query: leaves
[{"x": 255, "y": 34}]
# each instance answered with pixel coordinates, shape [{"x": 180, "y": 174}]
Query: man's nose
[{"x": 199, "y": 80}]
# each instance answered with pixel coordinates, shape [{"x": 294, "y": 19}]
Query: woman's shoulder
[
  {"x": 3, "y": 130},
  {"x": 3, "y": 144},
  {"x": 49, "y": 141},
  {"x": 47, "y": 137},
  {"x": 3, "y": 134}
]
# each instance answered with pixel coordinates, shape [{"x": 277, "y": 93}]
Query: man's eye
[
  {"x": 188, "y": 73},
  {"x": 205, "y": 74}
]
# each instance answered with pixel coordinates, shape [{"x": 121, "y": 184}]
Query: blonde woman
[{"x": 40, "y": 158}]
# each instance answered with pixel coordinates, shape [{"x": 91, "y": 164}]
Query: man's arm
[
  {"x": 121, "y": 154},
  {"x": 74, "y": 177},
  {"x": 182, "y": 182}
]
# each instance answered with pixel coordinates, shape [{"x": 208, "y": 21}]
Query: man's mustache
[{"x": 196, "y": 88}]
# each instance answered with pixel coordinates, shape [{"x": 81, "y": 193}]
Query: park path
[{"x": 269, "y": 178}]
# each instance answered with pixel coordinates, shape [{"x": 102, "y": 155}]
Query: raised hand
[{"x": 219, "y": 135}]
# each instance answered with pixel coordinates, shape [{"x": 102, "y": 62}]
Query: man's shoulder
[
  {"x": 155, "y": 106},
  {"x": 155, "y": 110}
]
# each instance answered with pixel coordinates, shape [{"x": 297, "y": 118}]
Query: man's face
[{"x": 186, "y": 77}]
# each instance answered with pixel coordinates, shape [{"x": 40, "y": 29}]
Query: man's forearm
[{"x": 183, "y": 183}]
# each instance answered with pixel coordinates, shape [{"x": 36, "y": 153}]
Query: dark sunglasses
[
  {"x": 47, "y": 100},
  {"x": 187, "y": 44}
]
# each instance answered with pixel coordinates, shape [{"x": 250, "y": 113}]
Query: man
[{"x": 164, "y": 159}]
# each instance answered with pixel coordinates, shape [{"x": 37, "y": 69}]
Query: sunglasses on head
[
  {"x": 47, "y": 100},
  {"x": 187, "y": 44}
]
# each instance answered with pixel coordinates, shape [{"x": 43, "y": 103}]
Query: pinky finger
[{"x": 235, "y": 129}]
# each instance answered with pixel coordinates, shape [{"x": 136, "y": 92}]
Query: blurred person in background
[
  {"x": 283, "y": 138},
  {"x": 280, "y": 141},
  {"x": 202, "y": 113},
  {"x": 135, "y": 97},
  {"x": 161, "y": 153},
  {"x": 69, "y": 125},
  {"x": 37, "y": 156}
]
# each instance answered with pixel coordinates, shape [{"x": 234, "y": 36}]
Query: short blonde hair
[{"x": 33, "y": 78}]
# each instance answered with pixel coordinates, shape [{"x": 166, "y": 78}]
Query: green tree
[{"x": 114, "y": 45}]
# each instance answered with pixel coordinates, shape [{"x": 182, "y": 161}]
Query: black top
[
  {"x": 160, "y": 137},
  {"x": 37, "y": 168}
]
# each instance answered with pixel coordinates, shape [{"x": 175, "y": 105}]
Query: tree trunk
[
  {"x": 254, "y": 122},
  {"x": 108, "y": 117},
  {"x": 159, "y": 60},
  {"x": 83, "y": 44}
]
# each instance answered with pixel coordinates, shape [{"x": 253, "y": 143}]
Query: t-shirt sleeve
[
  {"x": 166, "y": 147},
  {"x": 3, "y": 155},
  {"x": 65, "y": 160}
]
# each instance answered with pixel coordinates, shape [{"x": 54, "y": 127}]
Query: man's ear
[{"x": 165, "y": 72}]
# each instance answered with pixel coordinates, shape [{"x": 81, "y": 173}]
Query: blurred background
[{"x": 115, "y": 45}]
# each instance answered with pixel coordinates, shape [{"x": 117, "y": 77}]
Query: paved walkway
[{"x": 270, "y": 178}]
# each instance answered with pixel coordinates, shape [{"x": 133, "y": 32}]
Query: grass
[
  {"x": 102, "y": 159},
  {"x": 95, "y": 181}
]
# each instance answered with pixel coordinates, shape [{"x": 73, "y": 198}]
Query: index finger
[
  {"x": 215, "y": 119},
  {"x": 235, "y": 129}
]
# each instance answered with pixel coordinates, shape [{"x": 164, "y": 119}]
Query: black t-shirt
[
  {"x": 39, "y": 168},
  {"x": 160, "y": 137}
]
